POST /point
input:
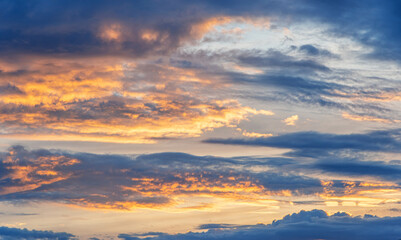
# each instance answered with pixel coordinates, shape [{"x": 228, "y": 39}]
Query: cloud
[
  {"x": 85, "y": 29},
  {"x": 255, "y": 134},
  {"x": 104, "y": 99},
  {"x": 124, "y": 182},
  {"x": 305, "y": 225},
  {"x": 114, "y": 101},
  {"x": 91, "y": 29},
  {"x": 354, "y": 167},
  {"x": 315, "y": 143},
  {"x": 311, "y": 50},
  {"x": 290, "y": 78},
  {"x": 290, "y": 121},
  {"x": 10, "y": 89},
  {"x": 379, "y": 36},
  {"x": 107, "y": 72},
  {"x": 345, "y": 155},
  {"x": 367, "y": 118},
  {"x": 275, "y": 59},
  {"x": 105, "y": 29},
  {"x": 162, "y": 180},
  {"x": 7, "y": 233}
]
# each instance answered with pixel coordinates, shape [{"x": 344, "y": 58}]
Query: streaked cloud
[
  {"x": 317, "y": 144},
  {"x": 367, "y": 118}
]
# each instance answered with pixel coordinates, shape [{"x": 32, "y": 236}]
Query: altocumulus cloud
[{"x": 305, "y": 225}]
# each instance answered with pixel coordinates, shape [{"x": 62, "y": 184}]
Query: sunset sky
[{"x": 200, "y": 119}]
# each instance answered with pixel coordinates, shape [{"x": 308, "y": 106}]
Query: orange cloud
[
  {"x": 358, "y": 194},
  {"x": 209, "y": 25},
  {"x": 111, "y": 32},
  {"x": 367, "y": 118},
  {"x": 114, "y": 101},
  {"x": 40, "y": 171},
  {"x": 290, "y": 121},
  {"x": 253, "y": 134}
]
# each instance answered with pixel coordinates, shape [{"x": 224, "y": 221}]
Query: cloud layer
[
  {"x": 16, "y": 233},
  {"x": 175, "y": 180},
  {"x": 305, "y": 225}
]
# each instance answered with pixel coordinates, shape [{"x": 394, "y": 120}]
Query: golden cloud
[{"x": 116, "y": 101}]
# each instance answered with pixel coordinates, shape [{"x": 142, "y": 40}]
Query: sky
[{"x": 200, "y": 120}]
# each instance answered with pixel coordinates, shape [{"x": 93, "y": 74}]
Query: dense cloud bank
[
  {"x": 305, "y": 225},
  {"x": 7, "y": 233}
]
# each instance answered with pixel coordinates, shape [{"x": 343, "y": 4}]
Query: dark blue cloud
[
  {"x": 70, "y": 27},
  {"x": 305, "y": 225},
  {"x": 370, "y": 22},
  {"x": 275, "y": 59},
  {"x": 311, "y": 50},
  {"x": 388, "y": 171},
  {"x": 339, "y": 154},
  {"x": 315, "y": 143},
  {"x": 7, "y": 233},
  {"x": 346, "y": 165},
  {"x": 73, "y": 27},
  {"x": 359, "y": 168}
]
